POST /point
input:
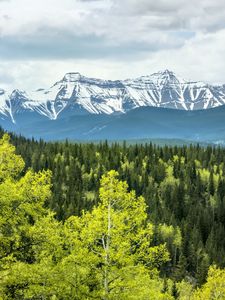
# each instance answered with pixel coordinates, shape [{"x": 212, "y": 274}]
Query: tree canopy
[
  {"x": 105, "y": 253},
  {"x": 118, "y": 245}
]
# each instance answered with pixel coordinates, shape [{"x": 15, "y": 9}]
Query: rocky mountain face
[{"x": 77, "y": 95}]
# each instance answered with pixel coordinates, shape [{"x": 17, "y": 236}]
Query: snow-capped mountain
[{"x": 76, "y": 94}]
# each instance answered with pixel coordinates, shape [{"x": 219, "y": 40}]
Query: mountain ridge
[{"x": 78, "y": 94}]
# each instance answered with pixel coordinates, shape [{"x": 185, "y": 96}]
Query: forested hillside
[{"x": 176, "y": 230}]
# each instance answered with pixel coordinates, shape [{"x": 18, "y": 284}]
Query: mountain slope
[
  {"x": 141, "y": 123},
  {"x": 78, "y": 95}
]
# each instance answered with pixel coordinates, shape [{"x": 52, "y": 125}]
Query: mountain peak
[
  {"x": 166, "y": 77},
  {"x": 72, "y": 77},
  {"x": 167, "y": 72}
]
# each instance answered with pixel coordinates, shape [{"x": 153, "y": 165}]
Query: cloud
[
  {"x": 196, "y": 60},
  {"x": 191, "y": 15},
  {"x": 113, "y": 18},
  {"x": 6, "y": 77},
  {"x": 119, "y": 38},
  {"x": 141, "y": 7},
  {"x": 67, "y": 45}
]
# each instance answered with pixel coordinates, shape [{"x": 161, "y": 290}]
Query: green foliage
[
  {"x": 214, "y": 288},
  {"x": 10, "y": 164},
  {"x": 185, "y": 290},
  {"x": 47, "y": 255},
  {"x": 21, "y": 207},
  {"x": 116, "y": 241},
  {"x": 106, "y": 253}
]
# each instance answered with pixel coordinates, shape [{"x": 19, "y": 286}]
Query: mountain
[
  {"x": 79, "y": 95},
  {"x": 160, "y": 105},
  {"x": 141, "y": 123}
]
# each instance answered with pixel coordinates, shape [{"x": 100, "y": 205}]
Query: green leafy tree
[
  {"x": 115, "y": 240},
  {"x": 21, "y": 206},
  {"x": 214, "y": 288},
  {"x": 106, "y": 253}
]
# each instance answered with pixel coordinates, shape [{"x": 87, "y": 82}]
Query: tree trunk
[{"x": 107, "y": 249}]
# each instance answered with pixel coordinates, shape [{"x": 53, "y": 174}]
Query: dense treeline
[
  {"x": 184, "y": 189},
  {"x": 106, "y": 253}
]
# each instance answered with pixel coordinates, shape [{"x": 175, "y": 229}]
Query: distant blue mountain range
[{"x": 141, "y": 123}]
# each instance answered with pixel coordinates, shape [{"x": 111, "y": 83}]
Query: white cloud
[
  {"x": 42, "y": 40},
  {"x": 112, "y": 18},
  {"x": 196, "y": 60}
]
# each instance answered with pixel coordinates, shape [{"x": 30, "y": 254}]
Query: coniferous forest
[{"x": 111, "y": 220}]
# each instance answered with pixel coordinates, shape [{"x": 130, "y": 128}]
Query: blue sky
[{"x": 111, "y": 39}]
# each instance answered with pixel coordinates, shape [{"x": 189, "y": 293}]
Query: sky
[{"x": 41, "y": 40}]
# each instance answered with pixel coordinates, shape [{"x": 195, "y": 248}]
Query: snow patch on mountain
[{"x": 95, "y": 96}]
